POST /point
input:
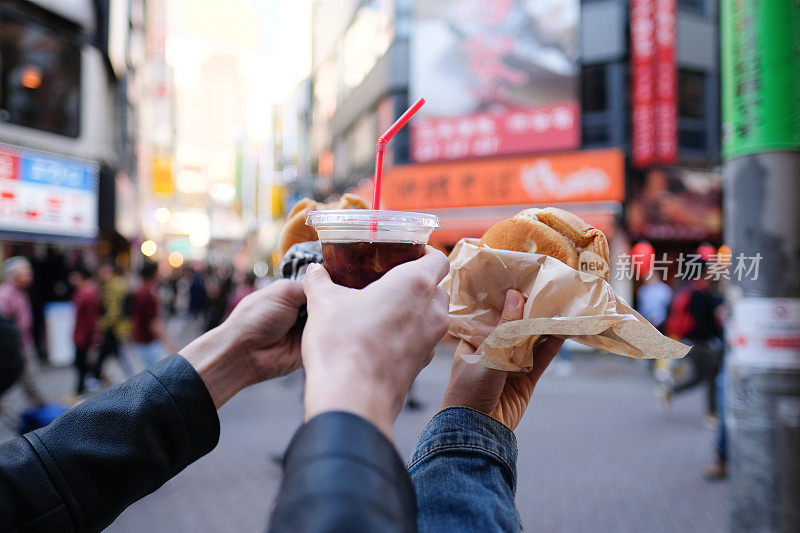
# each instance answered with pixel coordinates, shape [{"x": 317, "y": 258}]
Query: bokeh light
[
  {"x": 163, "y": 215},
  {"x": 175, "y": 259},
  {"x": 260, "y": 269},
  {"x": 31, "y": 77},
  {"x": 724, "y": 254},
  {"x": 149, "y": 248}
]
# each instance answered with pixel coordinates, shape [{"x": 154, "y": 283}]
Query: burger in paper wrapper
[
  {"x": 296, "y": 231},
  {"x": 561, "y": 266}
]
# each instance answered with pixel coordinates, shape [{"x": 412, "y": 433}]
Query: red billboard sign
[
  {"x": 666, "y": 86},
  {"x": 643, "y": 23},
  {"x": 498, "y": 76},
  {"x": 542, "y": 128},
  {"x": 654, "y": 82}
]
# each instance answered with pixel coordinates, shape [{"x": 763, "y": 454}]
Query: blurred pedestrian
[
  {"x": 181, "y": 289},
  {"x": 11, "y": 360},
  {"x": 244, "y": 283},
  {"x": 653, "y": 299},
  {"x": 115, "y": 321},
  {"x": 197, "y": 294},
  {"x": 217, "y": 291},
  {"x": 148, "y": 333},
  {"x": 693, "y": 318},
  {"x": 86, "y": 300},
  {"x": 16, "y": 307},
  {"x": 719, "y": 468}
]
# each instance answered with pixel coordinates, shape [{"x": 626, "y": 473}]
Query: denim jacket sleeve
[{"x": 463, "y": 466}]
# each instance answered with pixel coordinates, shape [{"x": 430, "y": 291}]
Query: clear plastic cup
[{"x": 361, "y": 245}]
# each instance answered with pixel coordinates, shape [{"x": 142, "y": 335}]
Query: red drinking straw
[{"x": 382, "y": 141}]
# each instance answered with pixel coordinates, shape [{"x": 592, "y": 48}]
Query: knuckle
[
  {"x": 418, "y": 284},
  {"x": 442, "y": 261},
  {"x": 281, "y": 288},
  {"x": 313, "y": 274},
  {"x": 280, "y": 285}
]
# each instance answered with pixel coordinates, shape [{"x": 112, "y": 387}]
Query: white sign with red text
[
  {"x": 544, "y": 128},
  {"x": 765, "y": 332},
  {"x": 45, "y": 194}
]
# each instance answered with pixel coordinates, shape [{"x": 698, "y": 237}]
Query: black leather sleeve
[
  {"x": 342, "y": 474},
  {"x": 80, "y": 472}
]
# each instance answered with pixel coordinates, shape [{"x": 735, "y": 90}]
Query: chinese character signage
[
  {"x": 47, "y": 194},
  {"x": 654, "y": 99},
  {"x": 760, "y": 84},
  {"x": 499, "y": 77},
  {"x": 642, "y": 82},
  {"x": 666, "y": 83},
  {"x": 585, "y": 176}
]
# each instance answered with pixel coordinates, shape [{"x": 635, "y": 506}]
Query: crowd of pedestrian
[
  {"x": 692, "y": 312},
  {"x": 361, "y": 351},
  {"x": 118, "y": 315},
  {"x": 359, "y": 367}
]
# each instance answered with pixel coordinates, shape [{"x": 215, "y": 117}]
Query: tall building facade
[
  {"x": 62, "y": 108},
  {"x": 608, "y": 108}
]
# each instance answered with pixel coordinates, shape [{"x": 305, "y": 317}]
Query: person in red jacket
[{"x": 87, "y": 315}]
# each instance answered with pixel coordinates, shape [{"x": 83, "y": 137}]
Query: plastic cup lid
[{"x": 358, "y": 218}]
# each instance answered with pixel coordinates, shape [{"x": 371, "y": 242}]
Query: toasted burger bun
[
  {"x": 349, "y": 201},
  {"x": 554, "y": 232},
  {"x": 295, "y": 229}
]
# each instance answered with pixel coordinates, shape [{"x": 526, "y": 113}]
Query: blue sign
[
  {"x": 47, "y": 196},
  {"x": 57, "y": 171}
]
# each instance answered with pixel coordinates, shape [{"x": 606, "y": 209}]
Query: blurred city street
[
  {"x": 623, "y": 173},
  {"x": 595, "y": 455}
]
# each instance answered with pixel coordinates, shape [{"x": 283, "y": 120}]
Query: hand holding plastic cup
[{"x": 361, "y": 245}]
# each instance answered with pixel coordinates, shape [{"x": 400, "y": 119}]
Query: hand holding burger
[{"x": 502, "y": 395}]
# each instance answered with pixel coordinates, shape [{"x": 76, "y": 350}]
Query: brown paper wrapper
[{"x": 561, "y": 301}]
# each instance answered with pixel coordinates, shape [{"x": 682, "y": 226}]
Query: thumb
[
  {"x": 316, "y": 281},
  {"x": 515, "y": 304}
]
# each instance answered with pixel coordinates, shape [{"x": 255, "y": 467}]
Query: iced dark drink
[
  {"x": 361, "y": 245},
  {"x": 357, "y": 264}
]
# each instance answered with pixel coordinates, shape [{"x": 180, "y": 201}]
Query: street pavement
[{"x": 595, "y": 455}]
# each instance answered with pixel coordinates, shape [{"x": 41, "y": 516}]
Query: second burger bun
[
  {"x": 295, "y": 229},
  {"x": 554, "y": 232}
]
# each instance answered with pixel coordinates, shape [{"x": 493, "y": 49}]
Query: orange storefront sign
[{"x": 584, "y": 176}]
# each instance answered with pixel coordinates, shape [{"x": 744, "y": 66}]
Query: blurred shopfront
[
  {"x": 64, "y": 140},
  {"x": 64, "y": 122},
  {"x": 675, "y": 210},
  {"x": 471, "y": 196}
]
